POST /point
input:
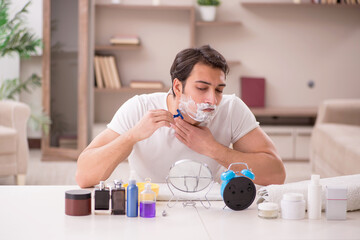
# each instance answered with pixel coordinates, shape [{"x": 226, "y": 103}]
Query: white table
[{"x": 38, "y": 212}]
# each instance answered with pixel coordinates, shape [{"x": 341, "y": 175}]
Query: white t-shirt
[{"x": 154, "y": 156}]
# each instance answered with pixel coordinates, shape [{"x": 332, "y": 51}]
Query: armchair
[
  {"x": 14, "y": 150},
  {"x": 335, "y": 140}
]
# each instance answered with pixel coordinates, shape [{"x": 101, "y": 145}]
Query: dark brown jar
[{"x": 78, "y": 202}]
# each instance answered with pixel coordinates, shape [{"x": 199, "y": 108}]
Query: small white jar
[
  {"x": 268, "y": 210},
  {"x": 293, "y": 206}
]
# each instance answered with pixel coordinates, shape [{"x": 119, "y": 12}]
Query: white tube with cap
[{"x": 314, "y": 198}]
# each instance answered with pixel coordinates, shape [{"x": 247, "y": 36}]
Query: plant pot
[{"x": 207, "y": 13}]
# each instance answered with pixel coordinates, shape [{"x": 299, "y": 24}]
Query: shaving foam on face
[{"x": 196, "y": 110}]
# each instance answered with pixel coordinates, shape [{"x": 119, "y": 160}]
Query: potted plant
[
  {"x": 16, "y": 38},
  {"x": 207, "y": 9}
]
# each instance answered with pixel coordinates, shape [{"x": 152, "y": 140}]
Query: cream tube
[{"x": 314, "y": 198}]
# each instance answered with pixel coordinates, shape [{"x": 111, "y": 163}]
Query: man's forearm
[
  {"x": 267, "y": 166},
  {"x": 96, "y": 164}
]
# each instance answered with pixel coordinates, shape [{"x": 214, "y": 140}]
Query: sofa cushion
[
  {"x": 339, "y": 146},
  {"x": 7, "y": 140}
]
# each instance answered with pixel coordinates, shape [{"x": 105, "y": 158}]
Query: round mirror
[{"x": 189, "y": 176}]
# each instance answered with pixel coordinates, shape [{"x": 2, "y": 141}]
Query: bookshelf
[
  {"x": 282, "y": 3},
  {"x": 285, "y": 112},
  {"x": 146, "y": 7},
  {"x": 146, "y": 12},
  {"x": 138, "y": 7},
  {"x": 101, "y": 48},
  {"x": 130, "y": 90},
  {"x": 218, "y": 23},
  {"x": 90, "y": 101}
]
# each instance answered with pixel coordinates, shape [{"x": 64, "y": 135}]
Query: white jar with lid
[
  {"x": 293, "y": 206},
  {"x": 268, "y": 210}
]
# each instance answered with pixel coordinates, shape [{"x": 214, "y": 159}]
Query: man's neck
[{"x": 171, "y": 104}]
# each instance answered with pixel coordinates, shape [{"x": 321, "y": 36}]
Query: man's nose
[{"x": 211, "y": 98}]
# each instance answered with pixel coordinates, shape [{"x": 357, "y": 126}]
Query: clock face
[{"x": 239, "y": 193}]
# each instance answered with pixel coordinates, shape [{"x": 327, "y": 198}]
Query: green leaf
[
  {"x": 41, "y": 120},
  {"x": 12, "y": 87},
  {"x": 14, "y": 36},
  {"x": 208, "y": 2}
]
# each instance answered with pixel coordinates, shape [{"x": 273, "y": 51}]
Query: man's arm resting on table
[
  {"x": 101, "y": 157},
  {"x": 258, "y": 152}
]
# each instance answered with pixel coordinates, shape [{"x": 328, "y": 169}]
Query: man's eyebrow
[{"x": 207, "y": 83}]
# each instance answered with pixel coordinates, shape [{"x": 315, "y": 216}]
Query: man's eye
[
  {"x": 219, "y": 91},
  {"x": 201, "y": 89}
]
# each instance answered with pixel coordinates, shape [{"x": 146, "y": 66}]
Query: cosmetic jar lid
[
  {"x": 78, "y": 194},
  {"x": 293, "y": 197},
  {"x": 268, "y": 206}
]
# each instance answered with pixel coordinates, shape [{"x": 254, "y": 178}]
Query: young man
[{"x": 150, "y": 132}]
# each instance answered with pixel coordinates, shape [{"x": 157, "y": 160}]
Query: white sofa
[
  {"x": 14, "y": 150},
  {"x": 335, "y": 141}
]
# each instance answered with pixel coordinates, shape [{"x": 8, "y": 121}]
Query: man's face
[{"x": 205, "y": 86}]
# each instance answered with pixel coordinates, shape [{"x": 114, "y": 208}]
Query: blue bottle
[{"x": 132, "y": 197}]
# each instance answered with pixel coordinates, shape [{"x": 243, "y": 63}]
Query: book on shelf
[
  {"x": 106, "y": 72},
  {"x": 125, "y": 40},
  {"x": 99, "y": 73},
  {"x": 253, "y": 91},
  {"x": 146, "y": 84},
  {"x": 109, "y": 72},
  {"x": 114, "y": 71},
  {"x": 98, "y": 76}
]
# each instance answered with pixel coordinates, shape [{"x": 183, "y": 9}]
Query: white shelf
[
  {"x": 218, "y": 23},
  {"x": 289, "y": 3},
  {"x": 130, "y": 90},
  {"x": 145, "y": 7},
  {"x": 116, "y": 47}
]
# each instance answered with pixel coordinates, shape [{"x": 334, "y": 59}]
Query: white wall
[
  {"x": 290, "y": 45},
  {"x": 34, "y": 15},
  {"x": 9, "y": 67}
]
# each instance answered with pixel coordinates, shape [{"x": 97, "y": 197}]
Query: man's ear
[{"x": 177, "y": 87}]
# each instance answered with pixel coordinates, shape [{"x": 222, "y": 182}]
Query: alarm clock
[{"x": 238, "y": 190}]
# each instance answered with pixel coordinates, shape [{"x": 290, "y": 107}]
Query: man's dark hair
[{"x": 187, "y": 58}]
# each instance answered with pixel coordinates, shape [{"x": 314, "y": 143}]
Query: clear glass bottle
[
  {"x": 102, "y": 199},
  {"x": 118, "y": 199},
  {"x": 148, "y": 201}
]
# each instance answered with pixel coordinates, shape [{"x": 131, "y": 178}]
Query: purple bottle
[{"x": 147, "y": 202}]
